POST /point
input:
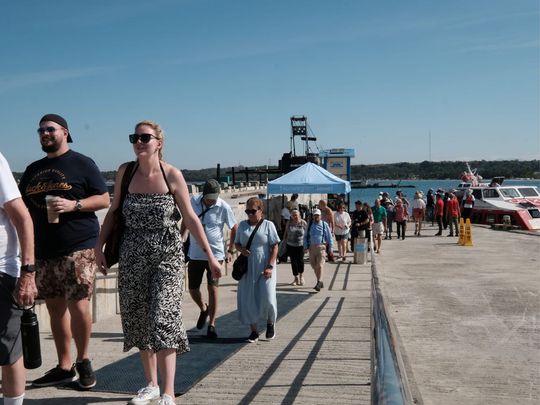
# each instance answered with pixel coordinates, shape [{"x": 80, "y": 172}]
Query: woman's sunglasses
[
  {"x": 144, "y": 138},
  {"x": 251, "y": 212}
]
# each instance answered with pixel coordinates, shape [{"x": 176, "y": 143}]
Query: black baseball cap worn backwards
[{"x": 59, "y": 120}]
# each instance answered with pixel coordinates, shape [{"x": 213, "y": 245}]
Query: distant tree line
[
  {"x": 395, "y": 171},
  {"x": 448, "y": 169}
]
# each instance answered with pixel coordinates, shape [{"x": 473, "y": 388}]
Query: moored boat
[{"x": 498, "y": 204}]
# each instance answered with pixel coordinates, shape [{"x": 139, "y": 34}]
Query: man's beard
[{"x": 53, "y": 147}]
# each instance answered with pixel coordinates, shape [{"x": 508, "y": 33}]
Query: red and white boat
[{"x": 498, "y": 204}]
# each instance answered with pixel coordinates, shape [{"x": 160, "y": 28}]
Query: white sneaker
[
  {"x": 166, "y": 400},
  {"x": 145, "y": 395}
]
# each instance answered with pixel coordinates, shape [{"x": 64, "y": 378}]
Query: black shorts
[
  {"x": 10, "y": 322},
  {"x": 196, "y": 270}
]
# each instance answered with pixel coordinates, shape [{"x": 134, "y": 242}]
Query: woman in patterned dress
[
  {"x": 256, "y": 296},
  {"x": 151, "y": 264}
]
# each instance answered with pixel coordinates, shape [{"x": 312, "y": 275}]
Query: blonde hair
[{"x": 159, "y": 134}]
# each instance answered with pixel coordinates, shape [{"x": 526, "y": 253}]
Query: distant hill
[{"x": 395, "y": 171}]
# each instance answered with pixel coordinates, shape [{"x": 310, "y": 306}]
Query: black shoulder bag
[
  {"x": 112, "y": 244},
  {"x": 240, "y": 265}
]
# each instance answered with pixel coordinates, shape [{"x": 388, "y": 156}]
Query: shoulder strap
[
  {"x": 167, "y": 182},
  {"x": 205, "y": 210},
  {"x": 253, "y": 234},
  {"x": 126, "y": 179}
]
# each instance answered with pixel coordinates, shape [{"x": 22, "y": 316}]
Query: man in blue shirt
[
  {"x": 317, "y": 238},
  {"x": 214, "y": 213}
]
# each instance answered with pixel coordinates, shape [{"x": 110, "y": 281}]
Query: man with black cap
[
  {"x": 214, "y": 213},
  {"x": 62, "y": 192}
]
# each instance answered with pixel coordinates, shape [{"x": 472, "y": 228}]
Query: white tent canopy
[{"x": 309, "y": 179}]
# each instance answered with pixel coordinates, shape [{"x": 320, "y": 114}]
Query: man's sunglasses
[
  {"x": 251, "y": 212},
  {"x": 50, "y": 130},
  {"x": 145, "y": 138}
]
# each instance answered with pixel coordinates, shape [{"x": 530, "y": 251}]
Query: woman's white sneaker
[
  {"x": 145, "y": 395},
  {"x": 166, "y": 400}
]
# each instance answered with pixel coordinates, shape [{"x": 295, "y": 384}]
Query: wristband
[{"x": 29, "y": 268}]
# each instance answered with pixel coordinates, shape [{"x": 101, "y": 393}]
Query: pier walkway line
[
  {"x": 467, "y": 317},
  {"x": 321, "y": 353}
]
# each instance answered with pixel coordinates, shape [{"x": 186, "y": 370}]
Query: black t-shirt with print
[{"x": 72, "y": 176}]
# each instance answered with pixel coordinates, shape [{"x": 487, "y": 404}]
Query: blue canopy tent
[{"x": 309, "y": 179}]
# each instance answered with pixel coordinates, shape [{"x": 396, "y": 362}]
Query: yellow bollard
[
  {"x": 468, "y": 233},
  {"x": 461, "y": 240}
]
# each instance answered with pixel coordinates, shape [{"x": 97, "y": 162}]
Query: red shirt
[
  {"x": 453, "y": 207},
  {"x": 439, "y": 207}
]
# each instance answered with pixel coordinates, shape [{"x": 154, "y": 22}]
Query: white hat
[{"x": 316, "y": 211}]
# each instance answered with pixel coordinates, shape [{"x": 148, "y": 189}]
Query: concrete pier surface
[
  {"x": 321, "y": 353},
  {"x": 467, "y": 319}
]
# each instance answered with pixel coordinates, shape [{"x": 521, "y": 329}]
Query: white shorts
[{"x": 378, "y": 228}]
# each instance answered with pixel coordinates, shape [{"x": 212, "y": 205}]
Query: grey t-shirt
[{"x": 295, "y": 233}]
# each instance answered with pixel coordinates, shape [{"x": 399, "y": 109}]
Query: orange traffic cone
[{"x": 468, "y": 233}]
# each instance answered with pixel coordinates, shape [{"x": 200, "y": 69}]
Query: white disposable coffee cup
[{"x": 52, "y": 216}]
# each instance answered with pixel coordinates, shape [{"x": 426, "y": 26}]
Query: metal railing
[{"x": 389, "y": 383}]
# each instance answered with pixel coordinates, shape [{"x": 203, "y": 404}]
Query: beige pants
[{"x": 317, "y": 256}]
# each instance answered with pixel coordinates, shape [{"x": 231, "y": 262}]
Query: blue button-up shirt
[{"x": 318, "y": 233}]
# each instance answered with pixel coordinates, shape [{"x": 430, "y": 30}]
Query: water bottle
[{"x": 30, "y": 339}]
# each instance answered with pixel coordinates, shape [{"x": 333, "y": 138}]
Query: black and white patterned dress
[{"x": 151, "y": 274}]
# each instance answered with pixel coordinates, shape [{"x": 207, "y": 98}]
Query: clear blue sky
[{"x": 223, "y": 77}]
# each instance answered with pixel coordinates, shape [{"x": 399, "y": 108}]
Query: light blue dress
[{"x": 256, "y": 295}]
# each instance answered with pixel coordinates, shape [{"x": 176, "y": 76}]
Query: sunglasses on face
[
  {"x": 50, "y": 130},
  {"x": 251, "y": 212},
  {"x": 144, "y": 138}
]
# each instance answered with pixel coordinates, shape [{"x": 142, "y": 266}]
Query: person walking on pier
[
  {"x": 317, "y": 241},
  {"x": 379, "y": 224},
  {"x": 430, "y": 206},
  {"x": 468, "y": 204},
  {"x": 388, "y": 204},
  {"x": 419, "y": 211},
  {"x": 439, "y": 212},
  {"x": 64, "y": 244},
  {"x": 151, "y": 263},
  {"x": 257, "y": 288},
  {"x": 16, "y": 281},
  {"x": 214, "y": 214},
  {"x": 294, "y": 237},
  {"x": 327, "y": 215},
  {"x": 343, "y": 226},
  {"x": 453, "y": 213},
  {"x": 401, "y": 216}
]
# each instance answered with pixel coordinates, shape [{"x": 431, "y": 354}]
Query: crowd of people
[{"x": 53, "y": 246}]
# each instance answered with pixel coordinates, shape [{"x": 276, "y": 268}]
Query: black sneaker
[
  {"x": 270, "y": 331},
  {"x": 56, "y": 376},
  {"x": 211, "y": 332},
  {"x": 253, "y": 337},
  {"x": 202, "y": 318},
  {"x": 87, "y": 378},
  {"x": 317, "y": 286}
]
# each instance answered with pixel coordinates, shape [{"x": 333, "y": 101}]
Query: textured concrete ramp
[{"x": 321, "y": 353}]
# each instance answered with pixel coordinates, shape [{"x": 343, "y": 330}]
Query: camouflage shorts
[{"x": 70, "y": 277}]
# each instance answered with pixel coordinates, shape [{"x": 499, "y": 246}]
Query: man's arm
[{"x": 17, "y": 212}]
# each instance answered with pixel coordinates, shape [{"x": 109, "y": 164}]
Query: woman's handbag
[
  {"x": 282, "y": 249},
  {"x": 240, "y": 265},
  {"x": 112, "y": 244}
]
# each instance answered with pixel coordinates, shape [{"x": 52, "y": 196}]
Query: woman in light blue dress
[{"x": 257, "y": 289}]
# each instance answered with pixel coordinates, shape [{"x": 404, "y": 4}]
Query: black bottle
[{"x": 30, "y": 339}]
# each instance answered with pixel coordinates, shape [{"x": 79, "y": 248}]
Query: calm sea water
[{"x": 370, "y": 194}]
